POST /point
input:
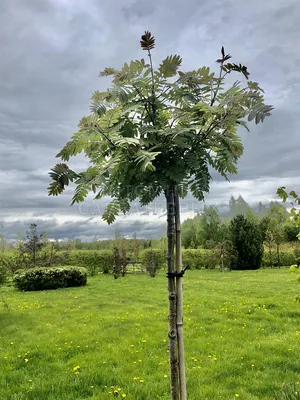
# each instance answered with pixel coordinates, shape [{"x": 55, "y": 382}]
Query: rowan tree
[{"x": 159, "y": 131}]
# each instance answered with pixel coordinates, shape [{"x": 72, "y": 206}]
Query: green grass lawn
[{"x": 242, "y": 335}]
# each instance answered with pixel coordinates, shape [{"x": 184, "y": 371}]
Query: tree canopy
[{"x": 154, "y": 128}]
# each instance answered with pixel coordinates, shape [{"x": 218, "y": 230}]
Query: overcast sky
[{"x": 51, "y": 54}]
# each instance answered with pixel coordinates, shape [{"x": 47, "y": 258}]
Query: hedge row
[
  {"x": 286, "y": 258},
  {"x": 96, "y": 261},
  {"x": 50, "y": 278},
  {"x": 93, "y": 260},
  {"x": 102, "y": 260},
  {"x": 200, "y": 258}
]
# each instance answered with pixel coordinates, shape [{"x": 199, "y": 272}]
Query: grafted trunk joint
[{"x": 172, "y": 334}]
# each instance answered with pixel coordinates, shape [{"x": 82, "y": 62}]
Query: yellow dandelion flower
[
  {"x": 26, "y": 360},
  {"x": 123, "y": 395}
]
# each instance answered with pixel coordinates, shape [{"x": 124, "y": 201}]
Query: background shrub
[
  {"x": 153, "y": 260},
  {"x": 247, "y": 241},
  {"x": 3, "y": 274},
  {"x": 50, "y": 278},
  {"x": 293, "y": 268},
  {"x": 10, "y": 262}
]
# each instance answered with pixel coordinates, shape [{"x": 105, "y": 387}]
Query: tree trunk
[
  {"x": 34, "y": 251},
  {"x": 172, "y": 294},
  {"x": 278, "y": 255},
  {"x": 179, "y": 294},
  {"x": 117, "y": 263}
]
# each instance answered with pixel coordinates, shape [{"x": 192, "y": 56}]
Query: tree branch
[
  {"x": 146, "y": 101},
  {"x": 218, "y": 85},
  {"x": 153, "y": 88}
]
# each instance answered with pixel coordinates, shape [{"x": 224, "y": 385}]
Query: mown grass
[{"x": 241, "y": 333}]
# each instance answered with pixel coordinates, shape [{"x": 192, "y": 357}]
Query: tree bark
[
  {"x": 179, "y": 294},
  {"x": 174, "y": 381}
]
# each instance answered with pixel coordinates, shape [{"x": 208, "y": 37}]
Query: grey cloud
[{"x": 87, "y": 229}]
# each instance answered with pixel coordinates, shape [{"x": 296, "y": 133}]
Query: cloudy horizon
[{"x": 52, "y": 52}]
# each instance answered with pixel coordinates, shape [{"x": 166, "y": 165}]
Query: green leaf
[
  {"x": 293, "y": 194},
  {"x": 243, "y": 124},
  {"x": 234, "y": 67},
  {"x": 169, "y": 66},
  {"x": 72, "y": 148},
  {"x": 108, "y": 71},
  {"x": 125, "y": 140},
  {"x": 183, "y": 188},
  {"x": 80, "y": 194},
  {"x": 54, "y": 189},
  {"x": 124, "y": 205},
  {"x": 97, "y": 107},
  {"x": 147, "y": 72},
  {"x": 282, "y": 193},
  {"x": 145, "y": 158},
  {"x": 176, "y": 173},
  {"x": 149, "y": 193},
  {"x": 61, "y": 175},
  {"x": 260, "y": 112},
  {"x": 111, "y": 211}
]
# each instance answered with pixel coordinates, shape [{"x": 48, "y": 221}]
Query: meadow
[{"x": 109, "y": 339}]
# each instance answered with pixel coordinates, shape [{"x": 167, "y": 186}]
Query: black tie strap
[{"x": 177, "y": 274}]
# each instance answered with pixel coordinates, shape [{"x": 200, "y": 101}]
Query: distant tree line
[
  {"x": 210, "y": 227},
  {"x": 237, "y": 240}
]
